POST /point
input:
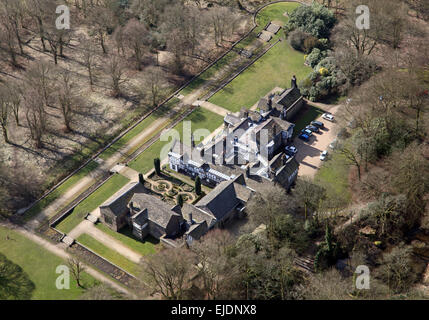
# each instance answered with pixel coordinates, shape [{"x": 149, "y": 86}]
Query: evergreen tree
[
  {"x": 157, "y": 165},
  {"x": 198, "y": 186}
]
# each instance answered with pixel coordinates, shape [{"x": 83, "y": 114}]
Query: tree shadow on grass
[{"x": 14, "y": 282}]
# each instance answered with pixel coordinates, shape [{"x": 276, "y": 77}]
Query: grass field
[
  {"x": 304, "y": 118},
  {"x": 126, "y": 237},
  {"x": 334, "y": 176},
  {"x": 57, "y": 193},
  {"x": 40, "y": 265},
  {"x": 91, "y": 203},
  {"x": 109, "y": 254},
  {"x": 200, "y": 118},
  {"x": 138, "y": 129},
  {"x": 274, "y": 69}
]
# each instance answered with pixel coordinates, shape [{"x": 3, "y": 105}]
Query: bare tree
[
  {"x": 117, "y": 71},
  {"x": 89, "y": 56},
  {"x": 5, "y": 110},
  {"x": 135, "y": 37},
  {"x": 168, "y": 272},
  {"x": 67, "y": 98},
  {"x": 35, "y": 114},
  {"x": 76, "y": 268},
  {"x": 154, "y": 81}
]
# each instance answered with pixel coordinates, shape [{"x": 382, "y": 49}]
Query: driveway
[{"x": 309, "y": 152}]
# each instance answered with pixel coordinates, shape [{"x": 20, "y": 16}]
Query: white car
[
  {"x": 324, "y": 155},
  {"x": 328, "y": 116}
]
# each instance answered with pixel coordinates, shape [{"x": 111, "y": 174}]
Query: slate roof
[
  {"x": 197, "y": 230},
  {"x": 288, "y": 97},
  {"x": 232, "y": 119},
  {"x": 157, "y": 210},
  {"x": 198, "y": 215},
  {"x": 118, "y": 205},
  {"x": 220, "y": 201}
]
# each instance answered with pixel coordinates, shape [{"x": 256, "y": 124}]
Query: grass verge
[
  {"x": 40, "y": 266},
  {"x": 91, "y": 203}
]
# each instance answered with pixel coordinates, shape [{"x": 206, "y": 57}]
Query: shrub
[
  {"x": 316, "y": 20},
  {"x": 323, "y": 71},
  {"x": 396, "y": 270},
  {"x": 315, "y": 56},
  {"x": 296, "y": 39}
]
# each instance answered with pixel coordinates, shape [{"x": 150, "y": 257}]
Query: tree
[
  {"x": 67, "y": 98},
  {"x": 180, "y": 200},
  {"x": 116, "y": 69},
  {"x": 168, "y": 272},
  {"x": 141, "y": 178},
  {"x": 135, "y": 37},
  {"x": 397, "y": 269},
  {"x": 157, "y": 166},
  {"x": 35, "y": 113},
  {"x": 198, "y": 186},
  {"x": 214, "y": 264},
  {"x": 154, "y": 79},
  {"x": 76, "y": 268},
  {"x": 309, "y": 194},
  {"x": 5, "y": 110},
  {"x": 89, "y": 56}
]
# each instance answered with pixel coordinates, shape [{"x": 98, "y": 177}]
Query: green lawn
[
  {"x": 200, "y": 118},
  {"x": 275, "y": 12},
  {"x": 91, "y": 203},
  {"x": 40, "y": 265},
  {"x": 304, "y": 118},
  {"x": 274, "y": 69},
  {"x": 126, "y": 237},
  {"x": 333, "y": 175},
  {"x": 108, "y": 254},
  {"x": 57, "y": 193},
  {"x": 138, "y": 129}
]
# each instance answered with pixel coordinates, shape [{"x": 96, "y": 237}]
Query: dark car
[
  {"x": 291, "y": 150},
  {"x": 313, "y": 128},
  {"x": 304, "y": 136},
  {"x": 318, "y": 124},
  {"x": 307, "y": 132}
]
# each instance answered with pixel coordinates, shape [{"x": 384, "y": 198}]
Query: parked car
[
  {"x": 304, "y": 137},
  {"x": 291, "y": 151},
  {"x": 328, "y": 116},
  {"x": 324, "y": 155},
  {"x": 333, "y": 144},
  {"x": 309, "y": 133},
  {"x": 313, "y": 128},
  {"x": 318, "y": 124}
]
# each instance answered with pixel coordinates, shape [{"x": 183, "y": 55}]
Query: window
[{"x": 108, "y": 220}]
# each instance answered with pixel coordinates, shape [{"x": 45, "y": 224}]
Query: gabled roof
[
  {"x": 118, "y": 204},
  {"x": 220, "y": 201},
  {"x": 158, "y": 211},
  {"x": 288, "y": 97},
  {"x": 198, "y": 215}
]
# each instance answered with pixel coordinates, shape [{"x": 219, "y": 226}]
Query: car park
[
  {"x": 313, "y": 128},
  {"x": 328, "y": 116},
  {"x": 291, "y": 151},
  {"x": 317, "y": 124},
  {"x": 324, "y": 155}
]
